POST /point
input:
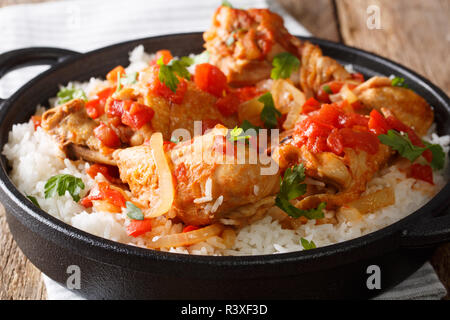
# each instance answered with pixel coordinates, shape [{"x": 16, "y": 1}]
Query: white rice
[{"x": 35, "y": 157}]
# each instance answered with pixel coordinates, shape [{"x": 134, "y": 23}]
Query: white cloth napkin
[{"x": 84, "y": 25}]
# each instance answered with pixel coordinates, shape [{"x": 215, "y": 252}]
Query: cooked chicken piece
[
  {"x": 242, "y": 43},
  {"x": 317, "y": 69},
  {"x": 197, "y": 105},
  {"x": 207, "y": 187},
  {"x": 79, "y": 152},
  {"x": 406, "y": 105},
  {"x": 346, "y": 175},
  {"x": 69, "y": 123}
]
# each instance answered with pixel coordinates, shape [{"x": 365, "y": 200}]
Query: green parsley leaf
[
  {"x": 134, "y": 212},
  {"x": 291, "y": 187},
  {"x": 402, "y": 144},
  {"x": 175, "y": 139},
  {"x": 283, "y": 65},
  {"x": 168, "y": 73},
  {"x": 269, "y": 114},
  {"x": 399, "y": 82},
  {"x": 438, "y": 153},
  {"x": 201, "y": 58},
  {"x": 308, "y": 245},
  {"x": 59, "y": 184},
  {"x": 327, "y": 89},
  {"x": 34, "y": 200},
  {"x": 294, "y": 212},
  {"x": 237, "y": 134},
  {"x": 67, "y": 94},
  {"x": 226, "y": 3}
]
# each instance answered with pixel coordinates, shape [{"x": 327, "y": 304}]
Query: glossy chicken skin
[
  {"x": 242, "y": 43},
  {"x": 406, "y": 105},
  {"x": 194, "y": 166}
]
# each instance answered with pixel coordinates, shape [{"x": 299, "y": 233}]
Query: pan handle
[
  {"x": 427, "y": 232},
  {"x": 32, "y": 56}
]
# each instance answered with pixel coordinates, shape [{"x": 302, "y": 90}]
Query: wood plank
[
  {"x": 414, "y": 33},
  {"x": 19, "y": 279},
  {"x": 318, "y": 16}
]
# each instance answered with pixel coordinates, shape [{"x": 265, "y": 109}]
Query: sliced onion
[
  {"x": 348, "y": 95},
  {"x": 166, "y": 188},
  {"x": 186, "y": 238}
]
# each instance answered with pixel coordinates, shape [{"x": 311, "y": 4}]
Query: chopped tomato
[
  {"x": 94, "y": 109},
  {"x": 397, "y": 125},
  {"x": 329, "y": 88},
  {"x": 109, "y": 172},
  {"x": 189, "y": 228},
  {"x": 160, "y": 89},
  {"x": 36, "y": 121},
  {"x": 112, "y": 75},
  {"x": 377, "y": 123},
  {"x": 165, "y": 54},
  {"x": 310, "y": 105},
  {"x": 107, "y": 136},
  {"x": 139, "y": 227},
  {"x": 334, "y": 128},
  {"x": 247, "y": 93},
  {"x": 167, "y": 145},
  {"x": 211, "y": 79},
  {"x": 228, "y": 104},
  {"x": 135, "y": 115},
  {"x": 131, "y": 113},
  {"x": 358, "y": 76},
  {"x": 103, "y": 191},
  {"x": 365, "y": 141},
  {"x": 422, "y": 172}
]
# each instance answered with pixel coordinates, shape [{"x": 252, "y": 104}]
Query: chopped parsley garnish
[
  {"x": 67, "y": 94},
  {"x": 308, "y": 245},
  {"x": 283, "y": 65},
  {"x": 403, "y": 145},
  {"x": 237, "y": 134},
  {"x": 269, "y": 114},
  {"x": 59, "y": 184},
  {"x": 327, "y": 89},
  {"x": 291, "y": 187},
  {"x": 438, "y": 161},
  {"x": 399, "y": 82},
  {"x": 34, "y": 200},
  {"x": 134, "y": 212},
  {"x": 168, "y": 72},
  {"x": 226, "y": 3}
]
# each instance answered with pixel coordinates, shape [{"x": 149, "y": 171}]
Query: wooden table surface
[{"x": 414, "y": 33}]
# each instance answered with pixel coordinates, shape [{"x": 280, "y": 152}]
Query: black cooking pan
[{"x": 114, "y": 270}]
